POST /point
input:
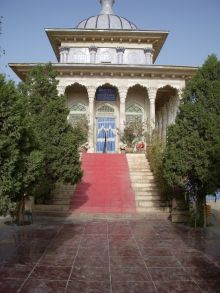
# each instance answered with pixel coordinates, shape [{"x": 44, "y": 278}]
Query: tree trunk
[
  {"x": 200, "y": 209},
  {"x": 20, "y": 214},
  {"x": 204, "y": 213}
]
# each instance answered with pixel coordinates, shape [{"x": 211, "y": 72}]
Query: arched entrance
[
  {"x": 137, "y": 104},
  {"x": 166, "y": 107},
  {"x": 105, "y": 129},
  {"x": 77, "y": 102},
  {"x": 106, "y": 119}
]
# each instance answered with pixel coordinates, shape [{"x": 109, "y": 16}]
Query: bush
[
  {"x": 155, "y": 156},
  {"x": 6, "y": 205}
]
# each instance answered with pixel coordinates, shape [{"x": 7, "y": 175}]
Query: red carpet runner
[{"x": 106, "y": 185}]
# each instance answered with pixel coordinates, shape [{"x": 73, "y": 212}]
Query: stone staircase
[
  {"x": 147, "y": 196},
  {"x": 59, "y": 204}
]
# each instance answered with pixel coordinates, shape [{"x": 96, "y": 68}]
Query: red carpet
[{"x": 106, "y": 185}]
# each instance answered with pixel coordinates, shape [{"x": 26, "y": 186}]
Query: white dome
[{"x": 107, "y": 19}]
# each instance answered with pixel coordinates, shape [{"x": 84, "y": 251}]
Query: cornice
[{"x": 111, "y": 70}]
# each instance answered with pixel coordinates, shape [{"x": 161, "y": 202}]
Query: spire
[{"x": 107, "y": 6}]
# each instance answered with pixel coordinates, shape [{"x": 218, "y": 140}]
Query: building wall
[
  {"x": 116, "y": 53},
  {"x": 143, "y": 92}
]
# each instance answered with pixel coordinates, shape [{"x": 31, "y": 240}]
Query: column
[
  {"x": 93, "y": 52},
  {"x": 175, "y": 107},
  {"x": 169, "y": 119},
  {"x": 120, "y": 53},
  {"x": 149, "y": 53},
  {"x": 164, "y": 122},
  {"x": 160, "y": 123},
  {"x": 172, "y": 110},
  {"x": 152, "y": 93},
  {"x": 91, "y": 95},
  {"x": 123, "y": 95},
  {"x": 64, "y": 52}
]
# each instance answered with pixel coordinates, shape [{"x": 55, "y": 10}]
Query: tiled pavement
[{"x": 139, "y": 255}]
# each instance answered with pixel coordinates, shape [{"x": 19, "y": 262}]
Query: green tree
[
  {"x": 21, "y": 161},
  {"x": 47, "y": 117},
  {"x": 192, "y": 156}
]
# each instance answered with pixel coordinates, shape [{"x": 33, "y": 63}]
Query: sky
[{"x": 193, "y": 27}]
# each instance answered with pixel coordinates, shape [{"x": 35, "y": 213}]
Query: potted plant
[
  {"x": 123, "y": 148},
  {"x": 135, "y": 136}
]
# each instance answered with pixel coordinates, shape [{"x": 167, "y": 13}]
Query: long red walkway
[{"x": 106, "y": 185}]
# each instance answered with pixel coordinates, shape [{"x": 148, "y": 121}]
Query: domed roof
[{"x": 107, "y": 19}]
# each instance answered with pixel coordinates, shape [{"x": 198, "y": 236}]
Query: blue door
[{"x": 105, "y": 140}]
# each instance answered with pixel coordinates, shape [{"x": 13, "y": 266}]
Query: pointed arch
[
  {"x": 164, "y": 94},
  {"x": 107, "y": 84},
  {"x": 137, "y": 84},
  {"x": 76, "y": 86}
]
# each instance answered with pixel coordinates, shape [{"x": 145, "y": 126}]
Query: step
[
  {"x": 148, "y": 203},
  {"x": 61, "y": 201},
  {"x": 148, "y": 193},
  {"x": 51, "y": 213},
  {"x": 139, "y": 167},
  {"x": 50, "y": 208},
  {"x": 61, "y": 195},
  {"x": 145, "y": 173},
  {"x": 138, "y": 171},
  {"x": 142, "y": 180},
  {"x": 152, "y": 209},
  {"x": 145, "y": 184},
  {"x": 142, "y": 177},
  {"x": 145, "y": 189},
  {"x": 147, "y": 197}
]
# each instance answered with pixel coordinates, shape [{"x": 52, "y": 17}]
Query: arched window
[
  {"x": 77, "y": 113},
  {"x": 134, "y": 113},
  {"x": 105, "y": 110}
]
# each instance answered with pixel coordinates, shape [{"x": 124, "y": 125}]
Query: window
[
  {"x": 134, "y": 113},
  {"x": 105, "y": 110},
  {"x": 77, "y": 113}
]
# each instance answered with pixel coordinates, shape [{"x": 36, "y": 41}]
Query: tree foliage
[
  {"x": 192, "y": 156},
  {"x": 47, "y": 117},
  {"x": 21, "y": 161},
  {"x": 38, "y": 147}
]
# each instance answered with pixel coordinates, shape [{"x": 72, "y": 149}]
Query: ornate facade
[{"x": 107, "y": 72}]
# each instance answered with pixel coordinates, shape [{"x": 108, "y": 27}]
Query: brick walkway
[{"x": 139, "y": 255}]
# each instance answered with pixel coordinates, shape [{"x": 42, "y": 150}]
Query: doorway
[{"x": 106, "y": 134}]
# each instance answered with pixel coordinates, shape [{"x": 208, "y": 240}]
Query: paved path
[
  {"x": 117, "y": 255},
  {"x": 215, "y": 217}
]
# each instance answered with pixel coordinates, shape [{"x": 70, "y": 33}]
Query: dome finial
[{"x": 107, "y": 6}]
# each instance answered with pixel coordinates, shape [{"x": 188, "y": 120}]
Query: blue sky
[{"x": 193, "y": 25}]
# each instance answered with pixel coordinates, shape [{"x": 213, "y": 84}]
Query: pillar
[
  {"x": 120, "y": 53},
  {"x": 123, "y": 95},
  {"x": 64, "y": 52},
  {"x": 164, "y": 122},
  {"x": 91, "y": 95},
  {"x": 149, "y": 53},
  {"x": 152, "y": 93},
  {"x": 93, "y": 52},
  {"x": 160, "y": 123},
  {"x": 169, "y": 117}
]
